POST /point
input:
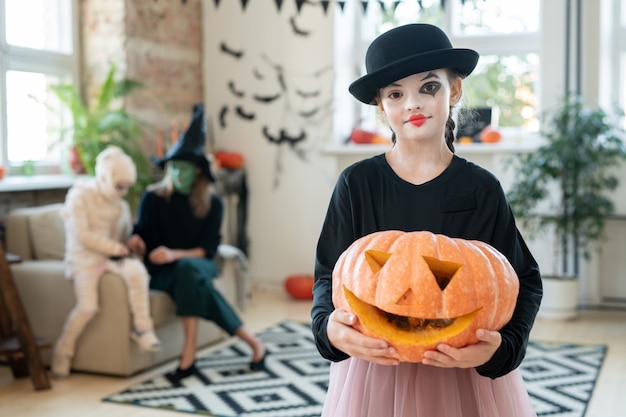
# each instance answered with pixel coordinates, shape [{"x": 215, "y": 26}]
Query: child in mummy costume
[{"x": 98, "y": 222}]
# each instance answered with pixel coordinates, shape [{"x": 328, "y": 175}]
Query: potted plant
[
  {"x": 562, "y": 186},
  {"x": 101, "y": 123}
]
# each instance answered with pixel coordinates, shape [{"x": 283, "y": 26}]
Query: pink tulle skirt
[{"x": 359, "y": 388}]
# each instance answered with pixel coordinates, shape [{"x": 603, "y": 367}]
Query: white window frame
[
  {"x": 18, "y": 58},
  {"x": 620, "y": 76},
  {"x": 609, "y": 74}
]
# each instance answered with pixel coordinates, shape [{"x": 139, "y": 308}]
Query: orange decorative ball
[
  {"x": 490, "y": 135},
  {"x": 419, "y": 289},
  {"x": 300, "y": 286},
  {"x": 361, "y": 136},
  {"x": 229, "y": 160}
]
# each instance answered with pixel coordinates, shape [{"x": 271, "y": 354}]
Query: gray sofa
[{"x": 37, "y": 235}]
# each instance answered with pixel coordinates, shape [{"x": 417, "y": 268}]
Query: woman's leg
[
  {"x": 190, "y": 328},
  {"x": 190, "y": 284},
  {"x": 258, "y": 350}
]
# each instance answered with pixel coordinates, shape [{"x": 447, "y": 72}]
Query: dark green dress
[{"x": 188, "y": 281}]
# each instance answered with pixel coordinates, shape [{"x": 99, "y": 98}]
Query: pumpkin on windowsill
[{"x": 419, "y": 289}]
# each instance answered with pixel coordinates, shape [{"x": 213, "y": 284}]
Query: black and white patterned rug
[{"x": 560, "y": 379}]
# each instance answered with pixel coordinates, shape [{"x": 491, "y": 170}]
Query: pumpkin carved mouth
[{"x": 407, "y": 330}]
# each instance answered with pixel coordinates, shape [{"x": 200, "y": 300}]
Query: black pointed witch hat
[{"x": 190, "y": 144}]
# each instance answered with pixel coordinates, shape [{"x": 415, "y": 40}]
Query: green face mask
[{"x": 182, "y": 173}]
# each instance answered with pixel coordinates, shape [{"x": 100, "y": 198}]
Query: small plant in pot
[
  {"x": 102, "y": 122},
  {"x": 563, "y": 186}
]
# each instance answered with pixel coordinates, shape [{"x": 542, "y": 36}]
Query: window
[
  {"x": 36, "y": 51},
  {"x": 507, "y": 34},
  {"x": 620, "y": 35}
]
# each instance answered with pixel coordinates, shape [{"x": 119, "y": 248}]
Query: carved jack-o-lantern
[{"x": 419, "y": 289}]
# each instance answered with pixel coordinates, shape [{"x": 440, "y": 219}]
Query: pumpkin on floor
[
  {"x": 419, "y": 289},
  {"x": 300, "y": 286}
]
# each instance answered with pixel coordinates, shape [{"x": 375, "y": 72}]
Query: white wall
[{"x": 289, "y": 185}]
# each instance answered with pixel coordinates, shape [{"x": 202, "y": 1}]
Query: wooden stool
[{"x": 17, "y": 341}]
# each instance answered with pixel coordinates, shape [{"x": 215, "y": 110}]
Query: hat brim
[
  {"x": 200, "y": 161},
  {"x": 463, "y": 61}
]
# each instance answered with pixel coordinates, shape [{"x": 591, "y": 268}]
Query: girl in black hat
[
  {"x": 178, "y": 232},
  {"x": 414, "y": 76}
]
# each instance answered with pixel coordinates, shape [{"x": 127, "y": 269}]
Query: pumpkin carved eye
[
  {"x": 376, "y": 259},
  {"x": 443, "y": 271},
  {"x": 419, "y": 289}
]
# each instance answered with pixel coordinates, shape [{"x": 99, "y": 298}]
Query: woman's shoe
[
  {"x": 179, "y": 374},
  {"x": 258, "y": 365}
]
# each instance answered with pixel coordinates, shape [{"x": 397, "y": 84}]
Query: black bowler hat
[
  {"x": 407, "y": 50},
  {"x": 190, "y": 144}
]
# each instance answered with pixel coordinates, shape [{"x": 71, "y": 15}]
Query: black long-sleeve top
[
  {"x": 171, "y": 223},
  {"x": 465, "y": 201}
]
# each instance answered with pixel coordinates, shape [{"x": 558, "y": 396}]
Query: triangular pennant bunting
[
  {"x": 299, "y": 4},
  {"x": 384, "y": 5},
  {"x": 325, "y": 5}
]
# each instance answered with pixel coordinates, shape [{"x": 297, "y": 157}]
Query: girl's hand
[
  {"x": 162, "y": 255},
  {"x": 343, "y": 336},
  {"x": 137, "y": 245},
  {"x": 470, "y": 356},
  {"x": 122, "y": 251}
]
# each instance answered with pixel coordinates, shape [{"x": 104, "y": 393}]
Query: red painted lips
[{"x": 417, "y": 119}]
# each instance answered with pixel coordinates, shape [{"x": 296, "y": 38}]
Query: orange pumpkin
[
  {"x": 419, "y": 289},
  {"x": 361, "y": 136},
  {"x": 490, "y": 135},
  {"x": 300, "y": 286},
  {"x": 229, "y": 160}
]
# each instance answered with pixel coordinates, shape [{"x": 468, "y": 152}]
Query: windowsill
[{"x": 36, "y": 182}]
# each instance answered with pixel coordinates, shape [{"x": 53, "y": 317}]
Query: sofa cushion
[
  {"x": 47, "y": 234},
  {"x": 162, "y": 308}
]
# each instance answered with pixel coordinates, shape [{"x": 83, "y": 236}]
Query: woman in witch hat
[
  {"x": 178, "y": 232},
  {"x": 414, "y": 76}
]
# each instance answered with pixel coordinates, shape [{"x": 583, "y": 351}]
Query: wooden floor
[{"x": 80, "y": 395}]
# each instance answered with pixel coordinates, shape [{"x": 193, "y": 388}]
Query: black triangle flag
[
  {"x": 299, "y": 4},
  {"x": 217, "y": 3},
  {"x": 279, "y": 4},
  {"x": 244, "y": 3},
  {"x": 325, "y": 4},
  {"x": 341, "y": 4},
  {"x": 364, "y": 3}
]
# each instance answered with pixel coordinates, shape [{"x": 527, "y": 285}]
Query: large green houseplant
[
  {"x": 563, "y": 185},
  {"x": 104, "y": 121}
]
